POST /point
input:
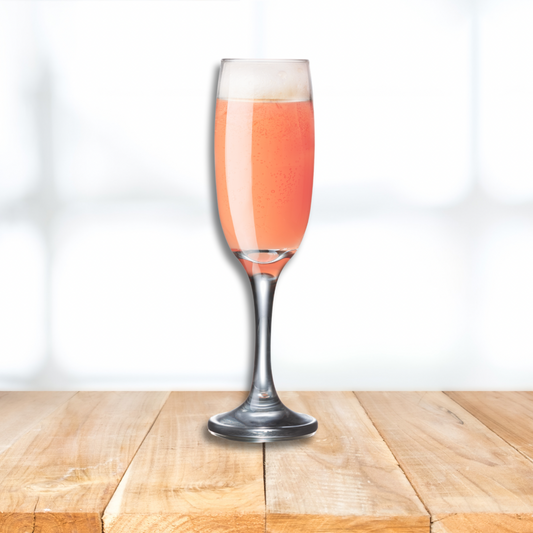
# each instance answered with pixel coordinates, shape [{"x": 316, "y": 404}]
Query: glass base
[{"x": 275, "y": 423}]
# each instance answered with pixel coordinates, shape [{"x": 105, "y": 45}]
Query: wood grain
[
  {"x": 59, "y": 476},
  {"x": 469, "y": 478},
  {"x": 482, "y": 523},
  {"x": 185, "y": 480},
  {"x": 20, "y": 411},
  {"x": 62, "y": 456},
  {"x": 509, "y": 414},
  {"x": 342, "y": 479}
]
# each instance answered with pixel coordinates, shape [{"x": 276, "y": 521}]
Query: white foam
[{"x": 280, "y": 80}]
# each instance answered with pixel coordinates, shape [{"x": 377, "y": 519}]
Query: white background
[{"x": 416, "y": 270}]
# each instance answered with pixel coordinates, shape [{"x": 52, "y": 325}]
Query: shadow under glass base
[{"x": 273, "y": 423}]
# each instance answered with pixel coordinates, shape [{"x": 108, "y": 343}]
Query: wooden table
[{"x": 132, "y": 462}]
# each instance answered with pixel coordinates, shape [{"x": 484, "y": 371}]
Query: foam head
[{"x": 281, "y": 80}]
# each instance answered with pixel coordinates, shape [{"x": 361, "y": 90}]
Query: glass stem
[{"x": 263, "y": 394}]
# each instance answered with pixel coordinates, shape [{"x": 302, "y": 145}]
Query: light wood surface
[
  {"x": 342, "y": 479},
  {"x": 59, "y": 477},
  {"x": 139, "y": 462},
  {"x": 468, "y": 478},
  {"x": 482, "y": 523},
  {"x": 509, "y": 414},
  {"x": 21, "y": 411},
  {"x": 184, "y": 479}
]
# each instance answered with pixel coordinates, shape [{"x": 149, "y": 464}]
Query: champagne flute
[{"x": 264, "y": 156}]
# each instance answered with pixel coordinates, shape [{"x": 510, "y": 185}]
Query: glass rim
[{"x": 232, "y": 60}]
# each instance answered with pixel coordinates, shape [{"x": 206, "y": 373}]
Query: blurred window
[{"x": 113, "y": 268}]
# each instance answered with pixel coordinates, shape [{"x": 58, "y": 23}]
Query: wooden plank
[
  {"x": 20, "y": 411},
  {"x": 468, "y": 478},
  {"x": 59, "y": 477},
  {"x": 184, "y": 479},
  {"x": 509, "y": 414},
  {"x": 342, "y": 479},
  {"x": 482, "y": 523}
]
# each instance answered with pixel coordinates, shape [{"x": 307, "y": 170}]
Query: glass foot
[{"x": 274, "y": 423}]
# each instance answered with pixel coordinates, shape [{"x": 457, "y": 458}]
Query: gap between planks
[
  {"x": 398, "y": 463},
  {"x": 433, "y": 527},
  {"x": 183, "y": 478},
  {"x": 504, "y": 511},
  {"x": 466, "y": 407},
  {"x": 48, "y": 448},
  {"x": 435, "y": 521},
  {"x": 344, "y": 479},
  {"x": 127, "y": 510},
  {"x": 126, "y": 469}
]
